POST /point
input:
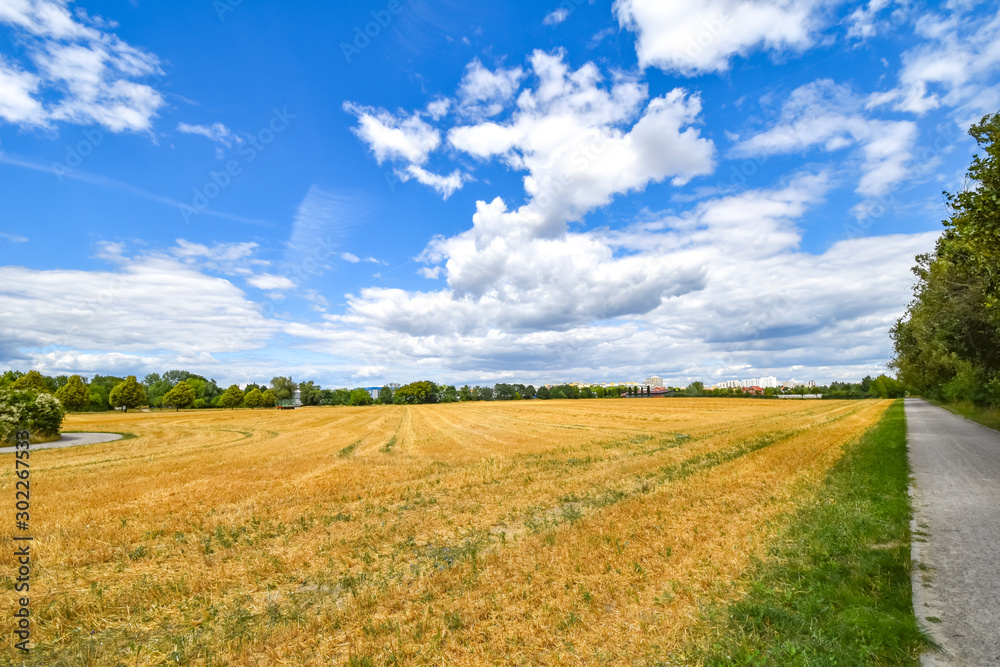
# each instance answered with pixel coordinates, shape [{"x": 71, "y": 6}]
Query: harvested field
[{"x": 529, "y": 532}]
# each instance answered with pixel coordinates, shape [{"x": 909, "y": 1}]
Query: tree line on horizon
[
  {"x": 947, "y": 344},
  {"x": 178, "y": 389}
]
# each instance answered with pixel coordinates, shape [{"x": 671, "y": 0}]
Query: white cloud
[
  {"x": 955, "y": 67},
  {"x": 152, "y": 304},
  {"x": 269, "y": 281},
  {"x": 485, "y": 93},
  {"x": 216, "y": 132},
  {"x": 12, "y": 238},
  {"x": 390, "y": 137},
  {"x": 566, "y": 134},
  {"x": 445, "y": 185},
  {"x": 17, "y": 102},
  {"x": 830, "y": 116},
  {"x": 556, "y": 17},
  {"x": 350, "y": 257},
  {"x": 720, "y": 289},
  {"x": 439, "y": 108},
  {"x": 695, "y": 37},
  {"x": 84, "y": 74}
]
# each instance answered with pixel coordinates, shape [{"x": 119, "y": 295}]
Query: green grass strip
[{"x": 835, "y": 589}]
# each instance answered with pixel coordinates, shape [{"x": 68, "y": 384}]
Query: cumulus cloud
[
  {"x": 826, "y": 115},
  {"x": 567, "y": 133},
  {"x": 696, "y": 37},
  {"x": 392, "y": 137},
  {"x": 83, "y": 73},
  {"x": 954, "y": 67},
  {"x": 486, "y": 93}
]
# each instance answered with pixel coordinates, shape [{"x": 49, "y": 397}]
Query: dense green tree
[
  {"x": 385, "y": 395},
  {"x": 253, "y": 399},
  {"x": 465, "y": 394},
  {"x": 268, "y": 399},
  {"x": 180, "y": 396},
  {"x": 283, "y": 388},
  {"x": 232, "y": 398},
  {"x": 361, "y": 396},
  {"x": 75, "y": 394},
  {"x": 33, "y": 381},
  {"x": 423, "y": 391},
  {"x": 310, "y": 393},
  {"x": 449, "y": 394},
  {"x": 128, "y": 394},
  {"x": 947, "y": 345},
  {"x": 543, "y": 393}
]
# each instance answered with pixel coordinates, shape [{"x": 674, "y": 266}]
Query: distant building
[{"x": 655, "y": 381}]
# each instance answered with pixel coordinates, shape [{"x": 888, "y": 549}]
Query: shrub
[{"x": 40, "y": 412}]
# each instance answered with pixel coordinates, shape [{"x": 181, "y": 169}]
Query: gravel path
[
  {"x": 956, "y": 491},
  {"x": 70, "y": 440}
]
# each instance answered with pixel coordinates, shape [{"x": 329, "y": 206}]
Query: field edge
[{"x": 835, "y": 588}]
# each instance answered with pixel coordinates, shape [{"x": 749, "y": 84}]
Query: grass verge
[
  {"x": 835, "y": 589},
  {"x": 986, "y": 416}
]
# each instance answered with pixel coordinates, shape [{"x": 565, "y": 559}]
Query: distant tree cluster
[{"x": 947, "y": 345}]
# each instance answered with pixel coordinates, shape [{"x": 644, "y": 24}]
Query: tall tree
[
  {"x": 947, "y": 345},
  {"x": 283, "y": 388},
  {"x": 253, "y": 398},
  {"x": 75, "y": 394},
  {"x": 268, "y": 399},
  {"x": 181, "y": 396},
  {"x": 385, "y": 395},
  {"x": 232, "y": 398},
  {"x": 128, "y": 394}
]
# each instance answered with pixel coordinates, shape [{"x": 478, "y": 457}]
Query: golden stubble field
[{"x": 529, "y": 532}]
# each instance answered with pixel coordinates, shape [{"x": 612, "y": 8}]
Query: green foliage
[
  {"x": 180, "y": 396},
  {"x": 385, "y": 395},
  {"x": 128, "y": 394},
  {"x": 33, "y": 381},
  {"x": 39, "y": 412},
  {"x": 75, "y": 394},
  {"x": 310, "y": 393},
  {"x": 232, "y": 398},
  {"x": 947, "y": 345},
  {"x": 254, "y": 398},
  {"x": 268, "y": 399},
  {"x": 336, "y": 396},
  {"x": 283, "y": 388},
  {"x": 416, "y": 392},
  {"x": 360, "y": 397}
]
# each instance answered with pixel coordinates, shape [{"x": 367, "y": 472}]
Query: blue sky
[{"x": 366, "y": 192}]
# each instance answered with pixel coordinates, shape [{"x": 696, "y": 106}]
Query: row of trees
[
  {"x": 180, "y": 389},
  {"x": 947, "y": 345}
]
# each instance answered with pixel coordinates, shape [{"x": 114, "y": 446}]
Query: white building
[{"x": 655, "y": 381}]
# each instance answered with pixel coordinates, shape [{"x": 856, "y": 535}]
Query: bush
[{"x": 41, "y": 413}]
